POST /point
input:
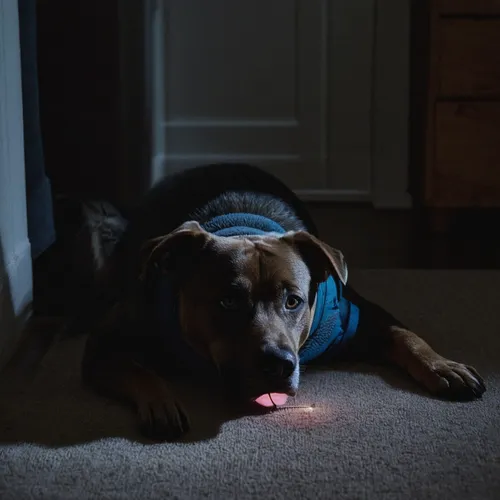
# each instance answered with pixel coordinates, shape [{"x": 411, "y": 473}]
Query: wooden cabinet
[
  {"x": 471, "y": 7},
  {"x": 469, "y": 62},
  {"x": 466, "y": 170},
  {"x": 462, "y": 106}
]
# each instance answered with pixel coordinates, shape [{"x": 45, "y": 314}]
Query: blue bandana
[{"x": 335, "y": 318}]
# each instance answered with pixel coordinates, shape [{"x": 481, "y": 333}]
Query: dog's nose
[{"x": 278, "y": 362}]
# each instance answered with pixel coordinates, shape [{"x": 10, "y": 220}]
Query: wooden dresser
[{"x": 461, "y": 139}]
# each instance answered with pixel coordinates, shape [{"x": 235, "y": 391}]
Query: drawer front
[
  {"x": 469, "y": 58},
  {"x": 472, "y": 7},
  {"x": 466, "y": 169}
]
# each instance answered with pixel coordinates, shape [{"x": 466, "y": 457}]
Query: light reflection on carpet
[{"x": 307, "y": 416}]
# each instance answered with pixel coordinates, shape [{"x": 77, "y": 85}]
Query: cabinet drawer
[
  {"x": 472, "y": 7},
  {"x": 469, "y": 58},
  {"x": 466, "y": 169}
]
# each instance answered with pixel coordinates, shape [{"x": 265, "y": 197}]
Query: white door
[{"x": 288, "y": 85}]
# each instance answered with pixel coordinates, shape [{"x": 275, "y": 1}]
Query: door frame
[
  {"x": 16, "y": 281},
  {"x": 391, "y": 105}
]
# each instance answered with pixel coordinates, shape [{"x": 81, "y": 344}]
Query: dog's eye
[
  {"x": 229, "y": 303},
  {"x": 293, "y": 302}
]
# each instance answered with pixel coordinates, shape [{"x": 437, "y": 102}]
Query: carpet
[{"x": 372, "y": 433}]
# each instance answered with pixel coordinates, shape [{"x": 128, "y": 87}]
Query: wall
[
  {"x": 15, "y": 254},
  {"x": 79, "y": 88}
]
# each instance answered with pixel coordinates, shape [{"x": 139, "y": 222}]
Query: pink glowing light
[{"x": 272, "y": 399}]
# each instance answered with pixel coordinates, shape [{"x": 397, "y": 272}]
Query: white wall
[{"x": 15, "y": 255}]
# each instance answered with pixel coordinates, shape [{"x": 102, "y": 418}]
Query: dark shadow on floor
[{"x": 43, "y": 401}]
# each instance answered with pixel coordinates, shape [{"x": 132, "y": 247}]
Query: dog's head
[{"x": 247, "y": 303}]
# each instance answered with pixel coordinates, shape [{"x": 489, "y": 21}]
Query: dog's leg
[
  {"x": 111, "y": 366},
  {"x": 380, "y": 334}
]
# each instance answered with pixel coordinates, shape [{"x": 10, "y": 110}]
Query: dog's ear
[
  {"x": 165, "y": 251},
  {"x": 322, "y": 259}
]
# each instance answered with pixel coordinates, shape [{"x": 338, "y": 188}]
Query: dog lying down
[{"x": 221, "y": 269}]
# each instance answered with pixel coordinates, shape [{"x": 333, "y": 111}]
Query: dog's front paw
[
  {"x": 161, "y": 417},
  {"x": 454, "y": 381}
]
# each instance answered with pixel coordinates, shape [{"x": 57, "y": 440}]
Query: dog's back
[
  {"x": 197, "y": 193},
  {"x": 254, "y": 203}
]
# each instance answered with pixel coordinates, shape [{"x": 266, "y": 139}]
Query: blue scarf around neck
[{"x": 335, "y": 318}]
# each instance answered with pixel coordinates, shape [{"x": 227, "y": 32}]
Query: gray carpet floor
[{"x": 371, "y": 435}]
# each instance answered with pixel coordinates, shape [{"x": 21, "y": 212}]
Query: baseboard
[
  {"x": 332, "y": 195},
  {"x": 393, "y": 201},
  {"x": 16, "y": 296}
]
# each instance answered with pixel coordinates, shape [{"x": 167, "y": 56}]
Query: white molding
[
  {"x": 16, "y": 297},
  {"x": 241, "y": 122},
  {"x": 17, "y": 269},
  {"x": 16, "y": 286},
  {"x": 198, "y": 158},
  {"x": 391, "y": 105}
]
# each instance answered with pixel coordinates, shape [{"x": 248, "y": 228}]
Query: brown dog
[{"x": 221, "y": 267}]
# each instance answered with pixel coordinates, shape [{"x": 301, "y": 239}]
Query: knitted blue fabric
[{"x": 335, "y": 318}]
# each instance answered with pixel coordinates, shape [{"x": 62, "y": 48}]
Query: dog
[{"x": 221, "y": 270}]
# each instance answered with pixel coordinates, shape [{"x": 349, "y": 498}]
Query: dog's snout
[{"x": 278, "y": 362}]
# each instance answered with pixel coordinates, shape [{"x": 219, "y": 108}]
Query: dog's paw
[
  {"x": 161, "y": 417},
  {"x": 454, "y": 381}
]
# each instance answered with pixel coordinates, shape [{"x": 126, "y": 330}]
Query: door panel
[
  {"x": 284, "y": 84},
  {"x": 350, "y": 70}
]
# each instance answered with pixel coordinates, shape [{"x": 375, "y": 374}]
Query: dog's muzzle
[
  {"x": 271, "y": 379},
  {"x": 280, "y": 369}
]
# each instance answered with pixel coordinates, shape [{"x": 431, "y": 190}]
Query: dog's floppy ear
[
  {"x": 164, "y": 251},
  {"x": 322, "y": 259}
]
